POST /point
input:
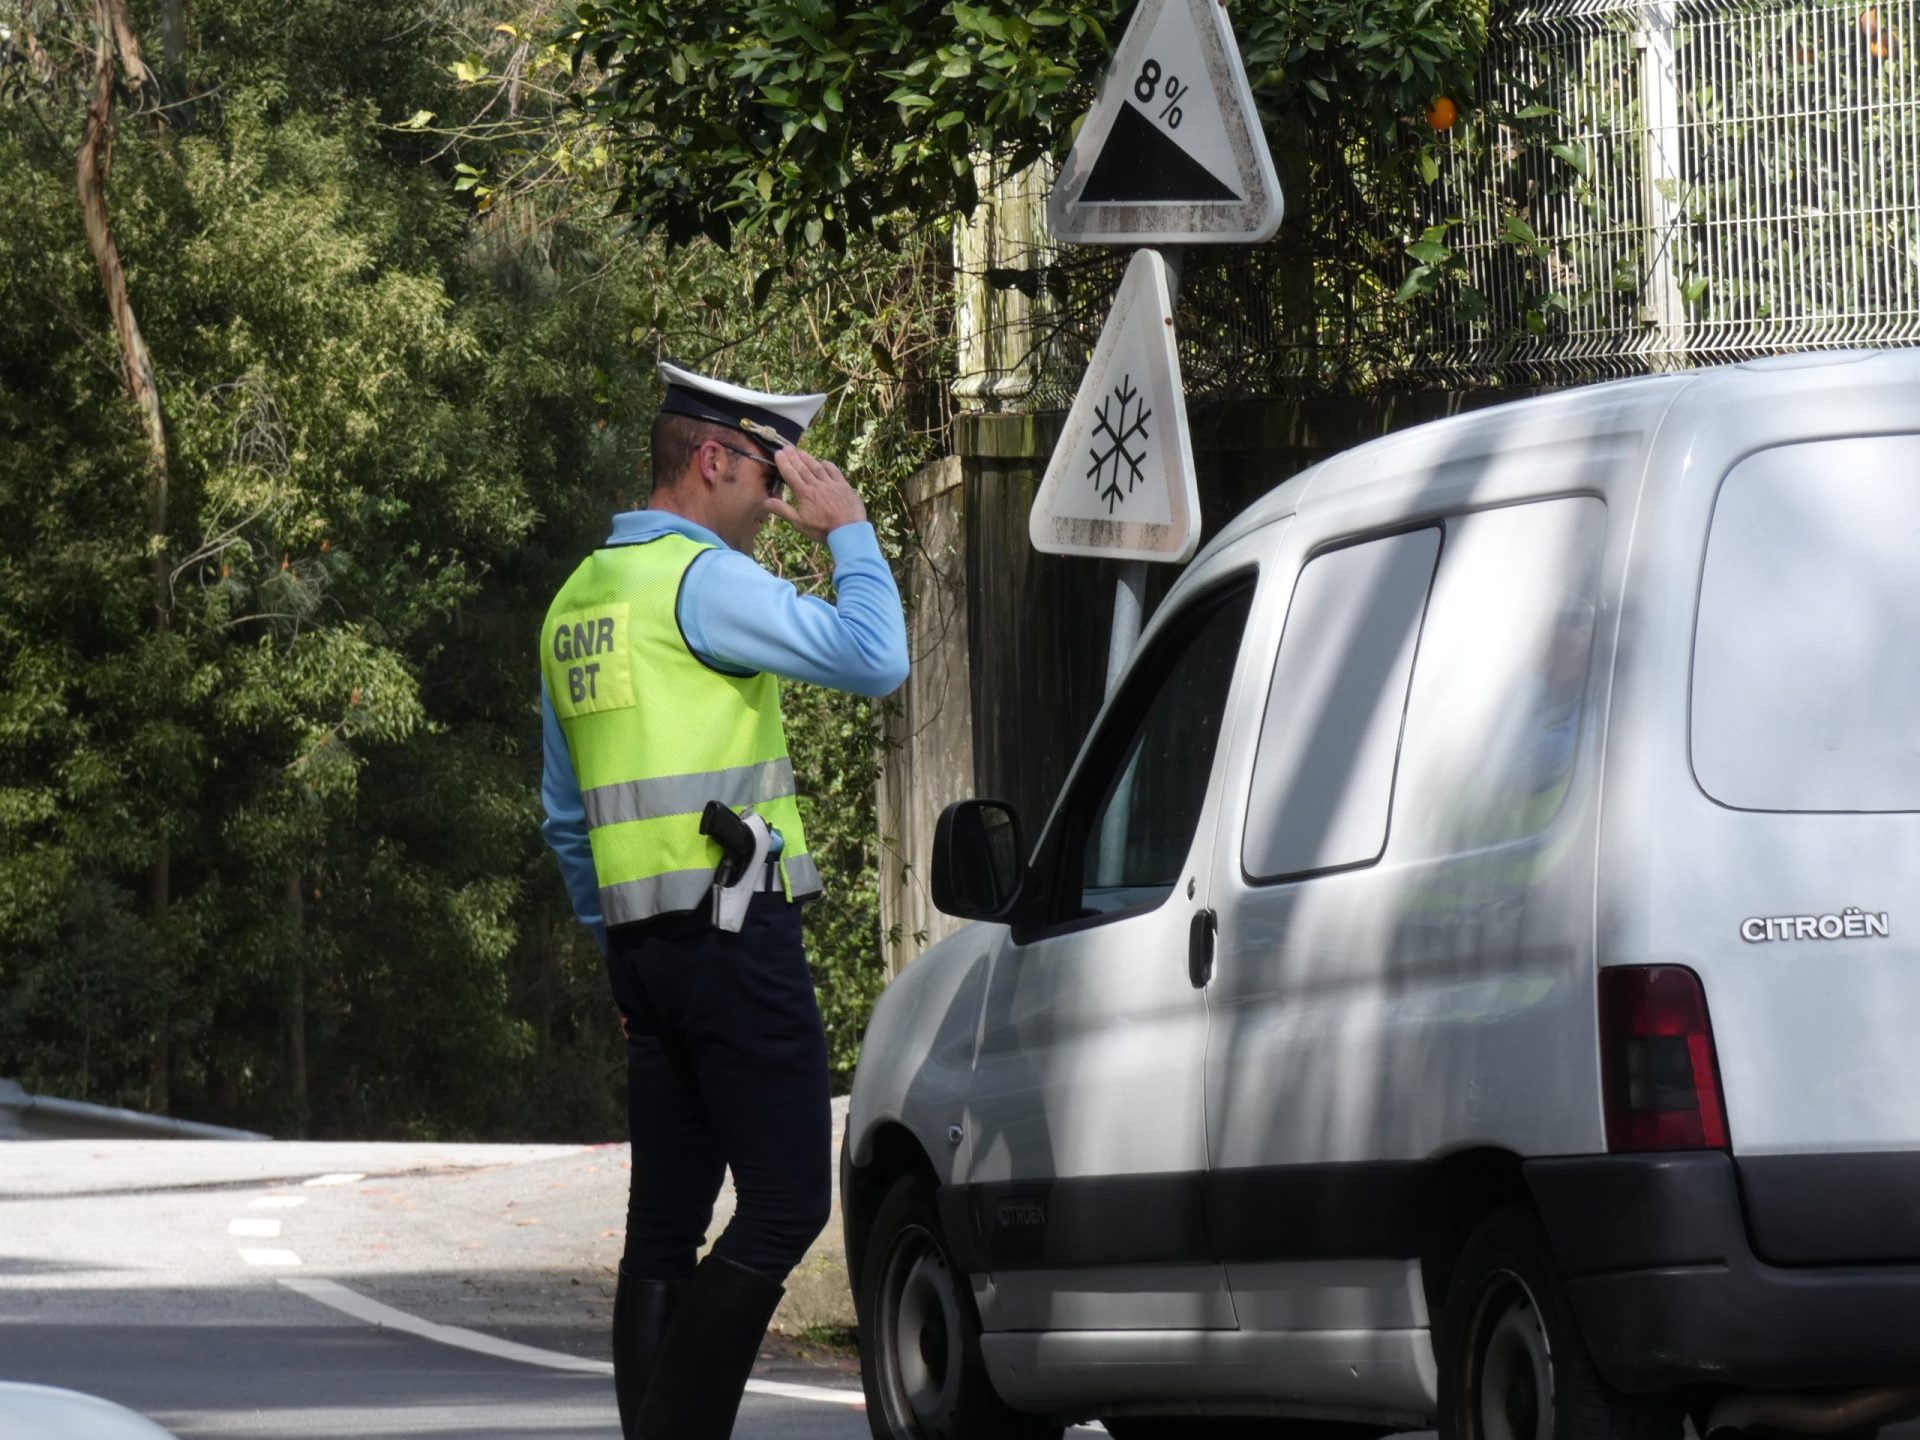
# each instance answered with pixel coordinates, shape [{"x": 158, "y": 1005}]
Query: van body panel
[
  {"x": 1112, "y": 1297},
  {"x": 1086, "y": 1118},
  {"x": 1212, "y": 1201},
  {"x": 1460, "y": 462},
  {"x": 1437, "y": 996},
  {"x": 916, "y": 1063},
  {"x": 1330, "y": 1295},
  {"x": 1376, "y": 1375},
  {"x": 1813, "y": 1035},
  {"x": 1438, "y": 999}
]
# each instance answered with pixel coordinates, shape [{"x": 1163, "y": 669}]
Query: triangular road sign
[
  {"x": 1172, "y": 152},
  {"x": 1120, "y": 483}
]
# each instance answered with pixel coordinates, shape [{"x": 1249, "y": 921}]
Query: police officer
[{"x": 658, "y": 663}]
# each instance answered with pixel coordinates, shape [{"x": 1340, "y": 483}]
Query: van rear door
[{"x": 1789, "y": 874}]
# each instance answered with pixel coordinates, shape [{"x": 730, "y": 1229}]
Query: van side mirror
[{"x": 977, "y": 862}]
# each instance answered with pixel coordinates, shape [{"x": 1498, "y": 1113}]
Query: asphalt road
[{"x": 273, "y": 1291}]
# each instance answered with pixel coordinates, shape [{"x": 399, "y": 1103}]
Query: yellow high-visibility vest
[{"x": 655, "y": 733}]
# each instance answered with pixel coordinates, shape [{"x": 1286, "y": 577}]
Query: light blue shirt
[{"x": 739, "y": 618}]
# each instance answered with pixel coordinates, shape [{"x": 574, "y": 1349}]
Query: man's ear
[{"x": 704, "y": 466}]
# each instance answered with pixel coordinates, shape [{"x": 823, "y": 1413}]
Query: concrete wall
[{"x": 929, "y": 736}]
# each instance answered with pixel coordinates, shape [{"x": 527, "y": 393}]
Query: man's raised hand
[{"x": 822, "y": 498}]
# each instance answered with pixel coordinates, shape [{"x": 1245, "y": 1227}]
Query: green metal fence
[{"x": 1716, "y": 179}]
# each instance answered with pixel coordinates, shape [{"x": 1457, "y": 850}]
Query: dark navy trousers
[{"x": 726, "y": 1067}]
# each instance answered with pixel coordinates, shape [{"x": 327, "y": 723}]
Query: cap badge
[{"x": 763, "y": 432}]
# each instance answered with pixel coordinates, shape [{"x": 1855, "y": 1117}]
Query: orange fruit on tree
[
  {"x": 1442, "y": 113},
  {"x": 1870, "y": 22}
]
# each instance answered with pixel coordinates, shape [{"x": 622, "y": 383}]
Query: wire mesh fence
[{"x": 1643, "y": 184}]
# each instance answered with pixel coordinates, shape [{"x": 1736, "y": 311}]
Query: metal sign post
[
  {"x": 1171, "y": 154},
  {"x": 1130, "y": 590}
]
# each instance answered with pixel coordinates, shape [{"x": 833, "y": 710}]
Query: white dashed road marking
[
  {"x": 269, "y": 1257},
  {"x": 343, "y": 1178},
  {"x": 360, "y": 1307},
  {"x": 255, "y": 1229}
]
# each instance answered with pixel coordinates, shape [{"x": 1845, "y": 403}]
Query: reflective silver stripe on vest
[
  {"x": 804, "y": 876},
  {"x": 643, "y": 899},
  {"x": 688, "y": 794},
  {"x": 687, "y": 890}
]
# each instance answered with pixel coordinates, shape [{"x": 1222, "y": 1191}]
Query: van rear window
[{"x": 1806, "y": 670}]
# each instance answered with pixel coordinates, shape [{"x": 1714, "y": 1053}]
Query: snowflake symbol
[{"x": 1113, "y": 432}]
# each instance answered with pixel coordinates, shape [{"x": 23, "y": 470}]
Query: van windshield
[{"x": 1806, "y": 678}]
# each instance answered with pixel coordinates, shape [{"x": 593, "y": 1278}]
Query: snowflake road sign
[
  {"x": 1121, "y": 483},
  {"x": 1172, "y": 152},
  {"x": 1113, "y": 432}
]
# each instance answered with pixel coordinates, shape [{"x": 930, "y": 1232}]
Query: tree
[
  {"x": 404, "y": 369},
  {"x": 817, "y": 122},
  {"x": 376, "y": 425}
]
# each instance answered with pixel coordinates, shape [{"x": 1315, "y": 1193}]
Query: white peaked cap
[{"x": 772, "y": 419}]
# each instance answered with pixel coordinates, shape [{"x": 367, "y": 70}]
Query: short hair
[{"x": 675, "y": 438}]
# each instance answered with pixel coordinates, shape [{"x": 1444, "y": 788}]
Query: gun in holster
[{"x": 745, "y": 841}]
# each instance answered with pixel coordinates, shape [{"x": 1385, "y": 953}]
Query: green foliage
[
  {"x": 1364, "y": 66},
  {"x": 814, "y": 128},
  {"x": 399, "y": 410},
  {"x": 391, "y": 429},
  {"x": 818, "y": 122}
]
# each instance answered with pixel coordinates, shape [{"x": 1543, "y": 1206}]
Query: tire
[
  {"x": 920, "y": 1334},
  {"x": 1513, "y": 1365}
]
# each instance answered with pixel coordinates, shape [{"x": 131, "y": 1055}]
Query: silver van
[{"x": 1471, "y": 975}]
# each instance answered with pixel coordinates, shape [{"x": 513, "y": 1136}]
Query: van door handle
[{"x": 1200, "y": 948}]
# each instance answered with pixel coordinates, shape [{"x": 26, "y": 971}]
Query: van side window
[
  {"x": 1323, "y": 777},
  {"x": 1499, "y": 690},
  {"x": 1147, "y": 776}
]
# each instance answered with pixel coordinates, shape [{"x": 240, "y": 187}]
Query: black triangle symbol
[{"x": 1139, "y": 162}]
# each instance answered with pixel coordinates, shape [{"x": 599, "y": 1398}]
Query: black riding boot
[
  {"x": 702, "y": 1367},
  {"x": 641, "y": 1310}
]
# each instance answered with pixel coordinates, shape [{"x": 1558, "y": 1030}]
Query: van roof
[{"x": 1602, "y": 431}]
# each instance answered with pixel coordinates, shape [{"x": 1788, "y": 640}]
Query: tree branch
[{"x": 111, "y": 32}]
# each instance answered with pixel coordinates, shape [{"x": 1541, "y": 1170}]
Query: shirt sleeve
[
  {"x": 566, "y": 824},
  {"x": 736, "y": 616}
]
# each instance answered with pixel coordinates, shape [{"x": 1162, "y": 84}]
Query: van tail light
[{"x": 1657, "y": 1066}]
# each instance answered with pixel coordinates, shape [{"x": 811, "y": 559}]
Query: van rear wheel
[
  {"x": 1513, "y": 1365},
  {"x": 920, "y": 1334}
]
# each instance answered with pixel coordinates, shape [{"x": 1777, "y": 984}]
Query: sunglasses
[{"x": 773, "y": 479}]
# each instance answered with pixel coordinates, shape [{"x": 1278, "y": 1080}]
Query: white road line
[
  {"x": 255, "y": 1229},
  {"x": 360, "y": 1307},
  {"x": 269, "y": 1257},
  {"x": 277, "y": 1202},
  {"x": 786, "y": 1390},
  {"x": 344, "y": 1178}
]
